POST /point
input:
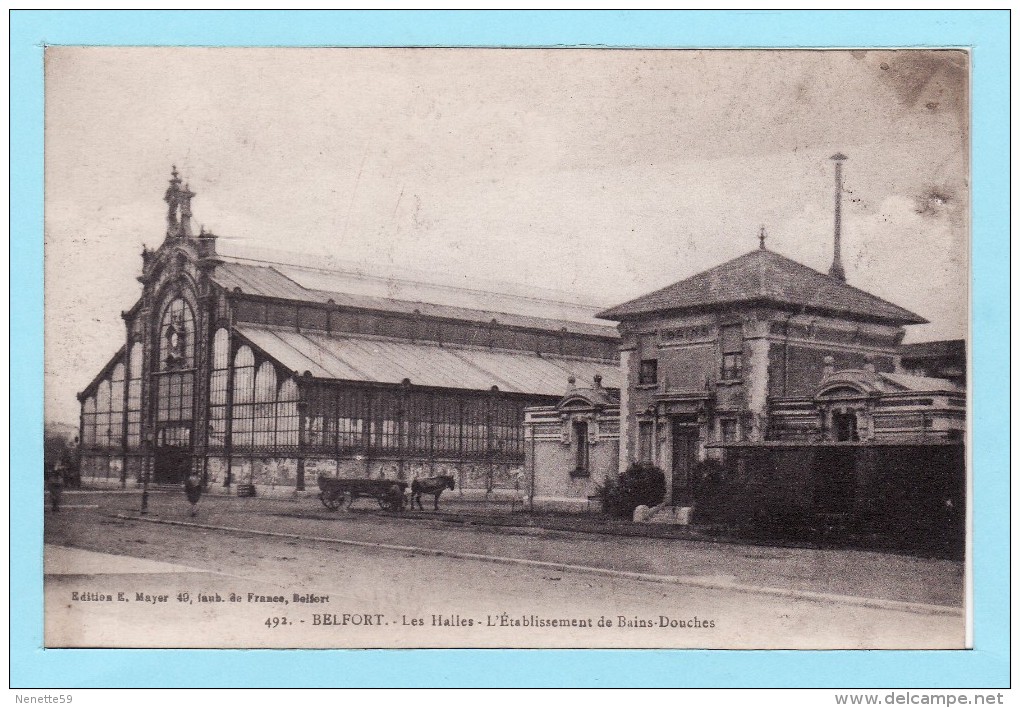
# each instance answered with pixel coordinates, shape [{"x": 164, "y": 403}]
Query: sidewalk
[{"x": 464, "y": 528}]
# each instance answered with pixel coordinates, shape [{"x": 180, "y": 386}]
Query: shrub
[{"x": 642, "y": 483}]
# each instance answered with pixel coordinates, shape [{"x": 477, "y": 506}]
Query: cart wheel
[{"x": 330, "y": 501}]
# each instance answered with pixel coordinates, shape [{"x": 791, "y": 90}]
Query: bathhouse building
[{"x": 764, "y": 356}]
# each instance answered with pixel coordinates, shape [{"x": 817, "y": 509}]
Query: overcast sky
[{"x": 606, "y": 173}]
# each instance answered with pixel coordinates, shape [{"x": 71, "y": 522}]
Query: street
[{"x": 369, "y": 579}]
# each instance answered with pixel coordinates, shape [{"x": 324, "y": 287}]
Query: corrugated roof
[
  {"x": 268, "y": 281},
  {"x": 261, "y": 280},
  {"x": 377, "y": 360},
  {"x": 764, "y": 275}
]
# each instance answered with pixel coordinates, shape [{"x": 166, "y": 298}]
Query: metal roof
[
  {"x": 766, "y": 276},
  {"x": 271, "y": 281},
  {"x": 930, "y": 350},
  {"x": 377, "y": 360}
]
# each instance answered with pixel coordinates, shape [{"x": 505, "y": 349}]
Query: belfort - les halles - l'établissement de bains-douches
[{"x": 270, "y": 374}]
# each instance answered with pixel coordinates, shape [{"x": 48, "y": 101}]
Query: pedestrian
[
  {"x": 55, "y": 483},
  {"x": 193, "y": 491}
]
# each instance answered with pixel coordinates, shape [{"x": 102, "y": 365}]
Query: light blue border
[{"x": 986, "y": 32}]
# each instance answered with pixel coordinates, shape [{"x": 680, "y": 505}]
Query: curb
[{"x": 688, "y": 581}]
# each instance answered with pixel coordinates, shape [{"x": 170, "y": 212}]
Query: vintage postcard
[{"x": 509, "y": 348}]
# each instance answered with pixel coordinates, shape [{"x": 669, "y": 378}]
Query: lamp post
[{"x": 146, "y": 469}]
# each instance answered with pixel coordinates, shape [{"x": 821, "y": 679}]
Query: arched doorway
[{"x": 174, "y": 388}]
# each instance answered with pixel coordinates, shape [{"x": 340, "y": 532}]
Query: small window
[
  {"x": 645, "y": 441},
  {"x": 732, "y": 353},
  {"x": 581, "y": 450},
  {"x": 728, "y": 430},
  {"x": 649, "y": 374}
]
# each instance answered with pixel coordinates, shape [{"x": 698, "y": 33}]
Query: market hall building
[{"x": 266, "y": 374}]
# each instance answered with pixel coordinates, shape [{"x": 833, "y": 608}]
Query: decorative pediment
[
  {"x": 591, "y": 399},
  {"x": 848, "y": 383},
  {"x": 580, "y": 400}
]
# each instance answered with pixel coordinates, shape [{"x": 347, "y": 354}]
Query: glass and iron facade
[{"x": 236, "y": 372}]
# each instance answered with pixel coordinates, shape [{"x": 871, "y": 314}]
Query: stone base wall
[{"x": 279, "y": 476}]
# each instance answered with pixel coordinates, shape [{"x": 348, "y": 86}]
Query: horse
[{"x": 430, "y": 485}]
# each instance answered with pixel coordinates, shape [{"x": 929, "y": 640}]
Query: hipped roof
[{"x": 763, "y": 276}]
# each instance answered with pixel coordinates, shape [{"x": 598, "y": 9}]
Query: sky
[{"x": 604, "y": 174}]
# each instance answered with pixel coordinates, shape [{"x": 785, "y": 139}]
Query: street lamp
[{"x": 146, "y": 465}]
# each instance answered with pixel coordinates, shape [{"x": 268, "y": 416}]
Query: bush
[{"x": 642, "y": 483}]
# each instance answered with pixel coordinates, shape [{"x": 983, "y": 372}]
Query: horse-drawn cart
[{"x": 388, "y": 493}]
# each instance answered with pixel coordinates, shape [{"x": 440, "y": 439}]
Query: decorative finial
[
  {"x": 178, "y": 201},
  {"x": 761, "y": 238},
  {"x": 173, "y": 198}
]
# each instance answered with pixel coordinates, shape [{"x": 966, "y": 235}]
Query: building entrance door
[
  {"x": 172, "y": 455},
  {"x": 171, "y": 465},
  {"x": 685, "y": 455}
]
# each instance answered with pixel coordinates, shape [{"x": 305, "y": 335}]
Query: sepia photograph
[{"x": 506, "y": 348}]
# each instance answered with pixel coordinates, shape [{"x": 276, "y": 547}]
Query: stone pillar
[
  {"x": 756, "y": 376},
  {"x": 627, "y": 417}
]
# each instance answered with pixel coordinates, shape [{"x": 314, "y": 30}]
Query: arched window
[
  {"x": 134, "y": 396},
  {"x": 89, "y": 421},
  {"x": 218, "y": 389},
  {"x": 177, "y": 337},
  {"x": 244, "y": 396},
  {"x": 221, "y": 350},
  {"x": 176, "y": 382},
  {"x": 117, "y": 406},
  {"x": 103, "y": 414},
  {"x": 287, "y": 420},
  {"x": 265, "y": 406}
]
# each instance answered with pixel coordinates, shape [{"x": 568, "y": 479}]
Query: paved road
[{"x": 418, "y": 599}]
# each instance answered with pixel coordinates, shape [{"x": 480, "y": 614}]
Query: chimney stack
[{"x": 836, "y": 271}]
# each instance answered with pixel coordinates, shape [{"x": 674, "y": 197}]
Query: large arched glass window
[
  {"x": 134, "y": 396},
  {"x": 176, "y": 378},
  {"x": 244, "y": 396},
  {"x": 177, "y": 337},
  {"x": 218, "y": 389},
  {"x": 287, "y": 421},
  {"x": 265, "y": 406}
]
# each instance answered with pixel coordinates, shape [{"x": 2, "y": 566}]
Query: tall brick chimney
[{"x": 836, "y": 271}]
